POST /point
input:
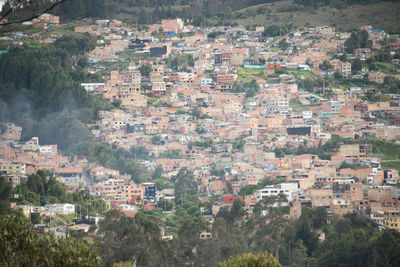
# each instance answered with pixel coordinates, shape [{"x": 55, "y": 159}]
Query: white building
[
  {"x": 90, "y": 87},
  {"x": 307, "y": 114},
  {"x": 2, "y": 2},
  {"x": 62, "y": 208},
  {"x": 48, "y": 149},
  {"x": 288, "y": 189},
  {"x": 276, "y": 102}
]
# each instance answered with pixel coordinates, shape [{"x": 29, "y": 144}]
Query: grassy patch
[
  {"x": 387, "y": 150},
  {"x": 126, "y": 55},
  {"x": 18, "y": 28},
  {"x": 299, "y": 73},
  {"x": 68, "y": 217},
  {"x": 248, "y": 75},
  {"x": 174, "y": 154},
  {"x": 298, "y": 106},
  {"x": 151, "y": 99},
  {"x": 391, "y": 165},
  {"x": 387, "y": 67}
]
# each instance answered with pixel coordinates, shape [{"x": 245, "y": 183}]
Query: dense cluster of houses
[{"x": 193, "y": 112}]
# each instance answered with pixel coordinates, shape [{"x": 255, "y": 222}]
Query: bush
[{"x": 250, "y": 260}]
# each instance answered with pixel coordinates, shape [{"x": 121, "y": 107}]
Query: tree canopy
[
  {"x": 40, "y": 91},
  {"x": 21, "y": 246}
]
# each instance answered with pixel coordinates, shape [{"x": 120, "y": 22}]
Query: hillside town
[{"x": 250, "y": 115}]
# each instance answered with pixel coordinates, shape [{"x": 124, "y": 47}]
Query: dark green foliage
[
  {"x": 250, "y": 88},
  {"x": 217, "y": 171},
  {"x": 346, "y": 165},
  {"x": 180, "y": 61},
  {"x": 233, "y": 215},
  {"x": 238, "y": 144},
  {"x": 325, "y": 66},
  {"x": 332, "y": 145},
  {"x": 42, "y": 186},
  {"x": 143, "y": 17},
  {"x": 189, "y": 236},
  {"x": 5, "y": 195},
  {"x": 157, "y": 172},
  {"x": 358, "y": 39},
  {"x": 204, "y": 144},
  {"x": 350, "y": 241},
  {"x": 276, "y": 30},
  {"x": 356, "y": 65},
  {"x": 186, "y": 191},
  {"x": 173, "y": 154},
  {"x": 247, "y": 190},
  {"x": 389, "y": 149},
  {"x": 338, "y": 76},
  {"x": 382, "y": 56},
  {"x": 309, "y": 84},
  {"x": 248, "y": 260},
  {"x": 357, "y": 245},
  {"x": 126, "y": 239},
  {"x": 392, "y": 85},
  {"x": 120, "y": 159},
  {"x": 283, "y": 44},
  {"x": 212, "y": 35},
  {"x": 156, "y": 140},
  {"x": 44, "y": 95},
  {"x": 145, "y": 70},
  {"x": 281, "y": 152},
  {"x": 165, "y": 205},
  {"x": 196, "y": 113},
  {"x": 273, "y": 206},
  {"x": 21, "y": 246}
]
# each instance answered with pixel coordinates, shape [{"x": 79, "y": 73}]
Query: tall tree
[
  {"x": 21, "y": 246},
  {"x": 5, "y": 194}
]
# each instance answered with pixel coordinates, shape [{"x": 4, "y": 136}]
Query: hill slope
[{"x": 383, "y": 15}]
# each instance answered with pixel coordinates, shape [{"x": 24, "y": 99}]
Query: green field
[
  {"x": 391, "y": 165},
  {"x": 247, "y": 75}
]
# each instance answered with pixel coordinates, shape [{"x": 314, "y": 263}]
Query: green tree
[
  {"x": 356, "y": 65},
  {"x": 358, "y": 39},
  {"x": 283, "y": 44},
  {"x": 275, "y": 30},
  {"x": 185, "y": 187},
  {"x": 5, "y": 195},
  {"x": 145, "y": 69},
  {"x": 305, "y": 231},
  {"x": 165, "y": 204},
  {"x": 21, "y": 246},
  {"x": 126, "y": 239},
  {"x": 156, "y": 140},
  {"x": 143, "y": 17},
  {"x": 250, "y": 260},
  {"x": 189, "y": 236},
  {"x": 326, "y": 66},
  {"x": 157, "y": 173}
]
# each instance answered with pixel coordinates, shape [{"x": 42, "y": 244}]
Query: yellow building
[
  {"x": 233, "y": 106},
  {"x": 9, "y": 168},
  {"x": 152, "y": 128},
  {"x": 253, "y": 123},
  {"x": 392, "y": 220}
]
